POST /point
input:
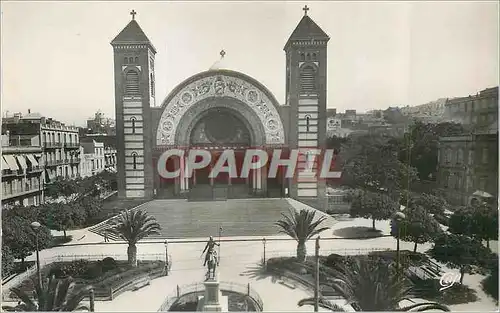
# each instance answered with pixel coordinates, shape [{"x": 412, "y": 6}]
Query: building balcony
[
  {"x": 34, "y": 169},
  {"x": 30, "y": 170},
  {"x": 19, "y": 193},
  {"x": 53, "y": 145},
  {"x": 71, "y": 145},
  {"x": 54, "y": 162},
  {"x": 74, "y": 160},
  {"x": 10, "y": 173}
]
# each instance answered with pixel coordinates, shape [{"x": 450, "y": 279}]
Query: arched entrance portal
[
  {"x": 217, "y": 129},
  {"x": 216, "y": 111}
]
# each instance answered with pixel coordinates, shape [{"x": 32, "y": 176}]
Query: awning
[
  {"x": 48, "y": 177},
  {"x": 5, "y": 165},
  {"x": 11, "y": 161},
  {"x": 482, "y": 194},
  {"x": 22, "y": 161},
  {"x": 52, "y": 174},
  {"x": 32, "y": 159}
]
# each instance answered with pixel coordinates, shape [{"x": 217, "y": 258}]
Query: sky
[{"x": 56, "y": 58}]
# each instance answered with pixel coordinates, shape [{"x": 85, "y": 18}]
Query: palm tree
[
  {"x": 301, "y": 226},
  {"x": 54, "y": 295},
  {"x": 132, "y": 227},
  {"x": 371, "y": 285}
]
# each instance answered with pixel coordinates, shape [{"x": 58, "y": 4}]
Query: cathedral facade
[{"x": 216, "y": 110}]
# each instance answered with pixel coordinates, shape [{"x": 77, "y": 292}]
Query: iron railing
[{"x": 200, "y": 288}]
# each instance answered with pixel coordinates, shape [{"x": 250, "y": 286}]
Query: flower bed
[{"x": 109, "y": 277}]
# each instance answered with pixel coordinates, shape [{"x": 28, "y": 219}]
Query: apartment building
[
  {"x": 93, "y": 161},
  {"x": 477, "y": 111},
  {"x": 59, "y": 142},
  {"x": 110, "y": 158},
  {"x": 468, "y": 164},
  {"x": 22, "y": 175}
]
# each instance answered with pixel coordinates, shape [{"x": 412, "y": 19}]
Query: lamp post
[
  {"x": 316, "y": 284},
  {"x": 264, "y": 243},
  {"x": 166, "y": 258},
  {"x": 36, "y": 226},
  {"x": 398, "y": 217}
]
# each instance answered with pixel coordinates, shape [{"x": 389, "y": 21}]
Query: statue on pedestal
[{"x": 211, "y": 258}]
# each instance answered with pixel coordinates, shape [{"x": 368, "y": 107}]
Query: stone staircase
[{"x": 237, "y": 217}]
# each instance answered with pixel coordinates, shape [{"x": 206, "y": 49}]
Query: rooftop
[
  {"x": 132, "y": 34},
  {"x": 307, "y": 29}
]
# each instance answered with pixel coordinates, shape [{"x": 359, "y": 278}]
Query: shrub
[
  {"x": 334, "y": 259},
  {"x": 74, "y": 269},
  {"x": 442, "y": 219},
  {"x": 108, "y": 264},
  {"x": 490, "y": 284},
  {"x": 94, "y": 271},
  {"x": 457, "y": 294}
]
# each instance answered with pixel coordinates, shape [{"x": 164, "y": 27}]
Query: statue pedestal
[{"x": 213, "y": 300}]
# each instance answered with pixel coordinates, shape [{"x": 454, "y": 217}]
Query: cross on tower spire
[
  {"x": 133, "y": 13},
  {"x": 305, "y": 9},
  {"x": 222, "y": 53}
]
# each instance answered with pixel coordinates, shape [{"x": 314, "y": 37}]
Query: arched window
[
  {"x": 131, "y": 60},
  {"x": 308, "y": 78},
  {"x": 125, "y": 60},
  {"x": 302, "y": 57},
  {"x": 308, "y": 57},
  {"x": 314, "y": 57},
  {"x": 136, "y": 60},
  {"x": 132, "y": 119},
  {"x": 53, "y": 138},
  {"x": 132, "y": 83},
  {"x": 308, "y": 118},
  {"x": 152, "y": 82},
  {"x": 134, "y": 160}
]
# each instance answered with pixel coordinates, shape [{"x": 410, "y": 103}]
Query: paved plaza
[{"x": 239, "y": 261}]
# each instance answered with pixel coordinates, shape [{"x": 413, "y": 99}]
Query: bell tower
[
  {"x": 134, "y": 57},
  {"x": 306, "y": 83}
]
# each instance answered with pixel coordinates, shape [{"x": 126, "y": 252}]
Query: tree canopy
[
  {"x": 374, "y": 205},
  {"x": 480, "y": 222},
  {"x": 431, "y": 203},
  {"x": 301, "y": 225},
  {"x": 20, "y": 237},
  {"x": 7, "y": 261},
  {"x": 418, "y": 226},
  {"x": 459, "y": 251},
  {"x": 423, "y": 140},
  {"x": 370, "y": 162}
]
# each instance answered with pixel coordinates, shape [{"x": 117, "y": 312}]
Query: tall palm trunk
[
  {"x": 415, "y": 247},
  {"x": 301, "y": 251},
  {"x": 373, "y": 223},
  {"x": 132, "y": 255}
]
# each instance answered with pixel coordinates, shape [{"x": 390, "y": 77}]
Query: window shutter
[
  {"x": 132, "y": 83},
  {"x": 308, "y": 79}
]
